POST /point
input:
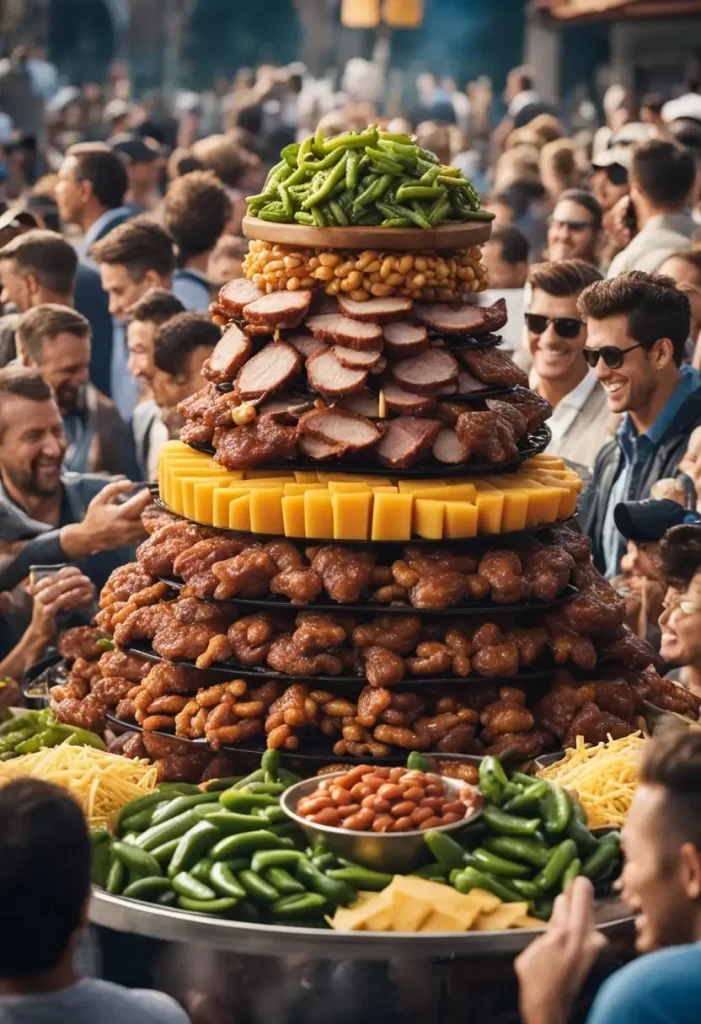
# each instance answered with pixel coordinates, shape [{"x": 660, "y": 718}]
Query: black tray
[
  {"x": 282, "y": 604},
  {"x": 484, "y": 540},
  {"x": 262, "y": 672},
  {"x": 530, "y": 445}
]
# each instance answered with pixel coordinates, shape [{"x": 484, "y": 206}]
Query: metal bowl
[{"x": 396, "y": 853}]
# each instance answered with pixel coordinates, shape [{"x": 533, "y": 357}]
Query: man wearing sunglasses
[
  {"x": 556, "y": 338},
  {"x": 662, "y": 176},
  {"x": 680, "y": 621},
  {"x": 574, "y": 229},
  {"x": 637, "y": 327}
]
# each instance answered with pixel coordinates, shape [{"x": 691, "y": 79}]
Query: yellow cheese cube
[
  {"x": 351, "y": 514},
  {"x": 544, "y": 459},
  {"x": 306, "y": 478},
  {"x": 461, "y": 519},
  {"x": 293, "y": 515},
  {"x": 301, "y": 488},
  {"x": 515, "y": 514},
  {"x": 442, "y": 921},
  {"x": 203, "y": 499},
  {"x": 222, "y": 499},
  {"x": 385, "y": 489},
  {"x": 490, "y": 510},
  {"x": 500, "y": 919},
  {"x": 412, "y": 486},
  {"x": 568, "y": 498},
  {"x": 428, "y": 518},
  {"x": 270, "y": 474},
  {"x": 543, "y": 502},
  {"x": 181, "y": 490},
  {"x": 318, "y": 515},
  {"x": 240, "y": 513},
  {"x": 485, "y": 485},
  {"x": 391, "y": 516},
  {"x": 529, "y": 922},
  {"x": 172, "y": 490},
  {"x": 266, "y": 510},
  {"x": 371, "y": 481},
  {"x": 267, "y": 483},
  {"x": 346, "y": 487}
]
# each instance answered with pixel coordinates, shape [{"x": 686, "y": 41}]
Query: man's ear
[
  {"x": 154, "y": 279},
  {"x": 26, "y": 359}
]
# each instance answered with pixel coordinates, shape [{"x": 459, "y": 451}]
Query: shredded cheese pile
[
  {"x": 101, "y": 783},
  {"x": 603, "y": 776}
]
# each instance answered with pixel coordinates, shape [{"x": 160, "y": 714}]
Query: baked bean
[
  {"x": 434, "y": 790},
  {"x": 434, "y": 802},
  {"x": 383, "y": 824},
  {"x": 329, "y": 816},
  {"x": 454, "y": 807},
  {"x": 450, "y": 819},
  {"x": 390, "y": 791},
  {"x": 433, "y": 822},
  {"x": 329, "y": 259},
  {"x": 373, "y": 782},
  {"x": 345, "y": 812},
  {"x": 354, "y": 775},
  {"x": 360, "y": 821},
  {"x": 421, "y": 814},
  {"x": 403, "y": 809},
  {"x": 325, "y": 784},
  {"x": 415, "y": 793},
  {"x": 395, "y": 774},
  {"x": 402, "y": 825},
  {"x": 360, "y": 790},
  {"x": 381, "y": 773},
  {"x": 312, "y": 805},
  {"x": 340, "y": 796}
]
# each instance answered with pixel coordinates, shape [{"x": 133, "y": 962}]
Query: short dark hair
[
  {"x": 562, "y": 278},
  {"x": 514, "y": 245},
  {"x": 653, "y": 304},
  {"x": 157, "y": 306},
  {"x": 680, "y": 555},
  {"x": 672, "y": 759},
  {"x": 139, "y": 245},
  {"x": 45, "y": 856},
  {"x": 103, "y": 169},
  {"x": 587, "y": 200},
  {"x": 196, "y": 210},
  {"x": 45, "y": 322},
  {"x": 224, "y": 156},
  {"x": 21, "y": 382},
  {"x": 180, "y": 336},
  {"x": 46, "y": 255},
  {"x": 664, "y": 170}
]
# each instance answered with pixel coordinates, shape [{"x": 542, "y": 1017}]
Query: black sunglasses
[
  {"x": 612, "y": 356},
  {"x": 616, "y": 174},
  {"x": 574, "y": 225},
  {"x": 565, "y": 326}
]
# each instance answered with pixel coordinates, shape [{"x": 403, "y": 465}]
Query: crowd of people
[{"x": 123, "y": 218}]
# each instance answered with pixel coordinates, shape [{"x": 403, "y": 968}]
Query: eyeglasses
[
  {"x": 575, "y": 226},
  {"x": 685, "y": 607},
  {"x": 612, "y": 356},
  {"x": 565, "y": 326},
  {"x": 616, "y": 174}
]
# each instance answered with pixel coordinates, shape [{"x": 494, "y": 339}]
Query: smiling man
[
  {"x": 637, "y": 327},
  {"x": 680, "y": 622}
]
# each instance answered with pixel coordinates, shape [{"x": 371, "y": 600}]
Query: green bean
[
  {"x": 305, "y": 150},
  {"x": 438, "y": 212},
  {"x": 283, "y": 881},
  {"x": 485, "y": 860},
  {"x": 332, "y": 179},
  {"x": 560, "y": 859},
  {"x": 405, "y": 140},
  {"x": 485, "y": 215},
  {"x": 304, "y": 218},
  {"x": 396, "y": 222},
  {"x": 338, "y": 214},
  {"x": 220, "y": 906},
  {"x": 273, "y": 212},
  {"x": 352, "y": 166},
  {"x": 374, "y": 191},
  {"x": 318, "y": 217},
  {"x": 310, "y": 166},
  {"x": 405, "y": 192},
  {"x": 349, "y": 140},
  {"x": 430, "y": 176}
]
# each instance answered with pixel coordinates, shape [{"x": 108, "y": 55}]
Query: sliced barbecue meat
[
  {"x": 374, "y": 311},
  {"x": 536, "y": 409},
  {"x": 305, "y": 343},
  {"x": 364, "y": 404},
  {"x": 461, "y": 317},
  {"x": 512, "y": 414},
  {"x": 344, "y": 430},
  {"x": 486, "y": 434},
  {"x": 355, "y": 358},
  {"x": 316, "y": 449},
  {"x": 268, "y": 371},
  {"x": 229, "y": 355},
  {"x": 426, "y": 373},
  {"x": 285, "y": 410},
  {"x": 405, "y": 439},
  {"x": 195, "y": 406},
  {"x": 448, "y": 448},
  {"x": 403, "y": 339},
  {"x": 254, "y": 444},
  {"x": 237, "y": 294},
  {"x": 399, "y": 400},
  {"x": 323, "y": 303},
  {"x": 258, "y": 330},
  {"x": 493, "y": 366},
  {"x": 340, "y": 329},
  {"x": 327, "y": 376},
  {"x": 451, "y": 411},
  {"x": 467, "y": 383},
  {"x": 279, "y": 309}
]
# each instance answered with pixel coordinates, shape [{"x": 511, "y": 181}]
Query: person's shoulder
[
  {"x": 655, "y": 982},
  {"x": 138, "y": 1006}
]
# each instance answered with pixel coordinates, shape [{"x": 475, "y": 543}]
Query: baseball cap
[
  {"x": 649, "y": 520},
  {"x": 684, "y": 108},
  {"x": 132, "y": 148},
  {"x": 616, "y": 155},
  {"x": 632, "y": 133}
]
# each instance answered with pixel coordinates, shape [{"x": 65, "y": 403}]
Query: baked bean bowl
[{"x": 377, "y": 816}]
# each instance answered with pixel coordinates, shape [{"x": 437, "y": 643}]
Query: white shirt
[
  {"x": 567, "y": 410},
  {"x": 512, "y": 332}
]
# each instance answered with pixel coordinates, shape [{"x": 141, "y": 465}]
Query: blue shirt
[
  {"x": 192, "y": 288},
  {"x": 89, "y": 1001},
  {"x": 125, "y": 388},
  {"x": 660, "y": 988},
  {"x": 101, "y": 227},
  {"x": 637, "y": 450}
]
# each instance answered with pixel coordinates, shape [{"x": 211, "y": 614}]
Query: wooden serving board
[{"x": 455, "y": 235}]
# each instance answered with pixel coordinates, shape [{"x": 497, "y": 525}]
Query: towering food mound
[{"x": 362, "y": 548}]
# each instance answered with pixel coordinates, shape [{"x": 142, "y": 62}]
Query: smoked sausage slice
[
  {"x": 305, "y": 343},
  {"x": 426, "y": 373},
  {"x": 344, "y": 430},
  {"x": 230, "y": 353},
  {"x": 402, "y": 401},
  {"x": 364, "y": 404},
  {"x": 335, "y": 327},
  {"x": 448, "y": 448},
  {"x": 374, "y": 311},
  {"x": 268, "y": 371},
  {"x": 357, "y": 359},
  {"x": 317, "y": 449},
  {"x": 279, "y": 309},
  {"x": 405, "y": 439},
  {"x": 461, "y": 317},
  {"x": 403, "y": 339},
  {"x": 327, "y": 376},
  {"x": 237, "y": 294}
]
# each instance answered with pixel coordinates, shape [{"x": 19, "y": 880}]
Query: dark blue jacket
[{"x": 93, "y": 303}]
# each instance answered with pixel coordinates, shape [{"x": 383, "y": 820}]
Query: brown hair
[
  {"x": 157, "y": 306},
  {"x": 222, "y": 155},
  {"x": 44, "y": 322},
  {"x": 196, "y": 210},
  {"x": 672, "y": 759},
  {"x": 21, "y": 382},
  {"x": 103, "y": 169},
  {"x": 561, "y": 155},
  {"x": 46, "y": 255},
  {"x": 664, "y": 171},
  {"x": 654, "y": 306},
  {"x": 180, "y": 336},
  {"x": 139, "y": 245},
  {"x": 562, "y": 278},
  {"x": 680, "y": 555},
  {"x": 690, "y": 256}
]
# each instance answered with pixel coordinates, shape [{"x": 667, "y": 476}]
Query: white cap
[
  {"x": 632, "y": 133},
  {"x": 686, "y": 108},
  {"x": 615, "y": 155}
]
